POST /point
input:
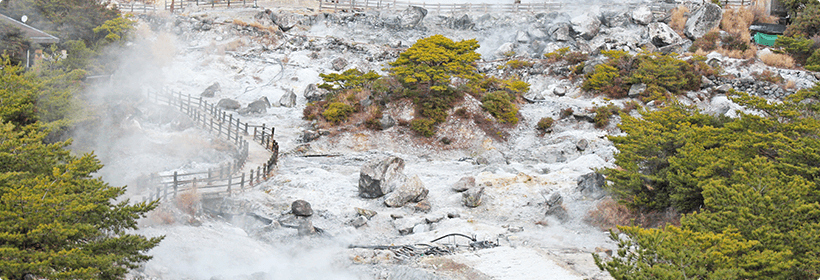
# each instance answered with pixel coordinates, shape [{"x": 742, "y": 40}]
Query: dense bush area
[
  {"x": 749, "y": 184},
  {"x": 660, "y": 72}
]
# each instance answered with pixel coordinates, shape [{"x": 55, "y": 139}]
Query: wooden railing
[
  {"x": 136, "y": 7},
  {"x": 362, "y": 5},
  {"x": 180, "y": 4},
  {"x": 226, "y": 178}
]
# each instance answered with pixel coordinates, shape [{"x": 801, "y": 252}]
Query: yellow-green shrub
[
  {"x": 499, "y": 105},
  {"x": 337, "y": 112}
]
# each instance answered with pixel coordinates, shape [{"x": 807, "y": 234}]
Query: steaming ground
[{"x": 229, "y": 245}]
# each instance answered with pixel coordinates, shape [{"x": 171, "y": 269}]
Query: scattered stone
[
  {"x": 256, "y": 107},
  {"x": 536, "y": 33},
  {"x": 561, "y": 32},
  {"x": 515, "y": 229},
  {"x": 461, "y": 23},
  {"x": 309, "y": 136},
  {"x": 556, "y": 208},
  {"x": 504, "y": 50},
  {"x": 359, "y": 221},
  {"x": 365, "y": 212},
  {"x": 419, "y": 228},
  {"x": 724, "y": 88},
  {"x": 338, "y": 63},
  {"x": 422, "y": 206},
  {"x": 704, "y": 19},
  {"x": 464, "y": 184},
  {"x": 376, "y": 177},
  {"x": 636, "y": 89},
  {"x": 591, "y": 184},
  {"x": 706, "y": 82},
  {"x": 433, "y": 219},
  {"x": 453, "y": 215},
  {"x": 285, "y": 21},
  {"x": 559, "y": 91},
  {"x": 301, "y": 208},
  {"x": 211, "y": 90},
  {"x": 586, "y": 25},
  {"x": 411, "y": 190},
  {"x": 608, "y": 252},
  {"x": 228, "y": 104},
  {"x": 472, "y": 197},
  {"x": 555, "y": 199},
  {"x": 288, "y": 99},
  {"x": 313, "y": 93},
  {"x": 662, "y": 35},
  {"x": 582, "y": 144},
  {"x": 521, "y": 37},
  {"x": 643, "y": 15},
  {"x": 387, "y": 121},
  {"x": 407, "y": 226}
]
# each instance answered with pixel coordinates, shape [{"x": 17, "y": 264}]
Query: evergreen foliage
[
  {"x": 660, "y": 71},
  {"x": 13, "y": 43},
  {"x": 431, "y": 62},
  {"x": 798, "y": 47},
  {"x": 350, "y": 79},
  {"x": 500, "y": 105},
  {"x": 750, "y": 185}
]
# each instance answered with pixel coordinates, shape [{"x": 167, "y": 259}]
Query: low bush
[
  {"x": 798, "y": 47},
  {"x": 707, "y": 43},
  {"x": 499, "y": 104},
  {"x": 337, "y": 112},
  {"x": 565, "y": 113},
  {"x": 545, "y": 124},
  {"x": 352, "y": 78},
  {"x": 603, "y": 114},
  {"x": 566, "y": 55},
  {"x": 807, "y": 22},
  {"x": 813, "y": 63},
  {"x": 425, "y": 127},
  {"x": 518, "y": 64},
  {"x": 657, "y": 71}
]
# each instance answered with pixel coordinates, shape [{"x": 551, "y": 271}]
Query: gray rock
[
  {"x": 375, "y": 177},
  {"x": 264, "y": 100},
  {"x": 288, "y": 99},
  {"x": 559, "y": 212},
  {"x": 586, "y": 26},
  {"x": 521, "y": 37},
  {"x": 559, "y": 91},
  {"x": 405, "y": 226},
  {"x": 463, "y": 184},
  {"x": 228, "y": 104},
  {"x": 555, "y": 199},
  {"x": 256, "y": 107},
  {"x": 412, "y": 16},
  {"x": 387, "y": 121},
  {"x": 662, "y": 35},
  {"x": 536, "y": 33},
  {"x": 472, "y": 197},
  {"x": 582, "y": 144},
  {"x": 561, "y": 32},
  {"x": 211, "y": 90},
  {"x": 643, "y": 15},
  {"x": 615, "y": 19},
  {"x": 411, "y": 190},
  {"x": 306, "y": 227},
  {"x": 461, "y": 23},
  {"x": 703, "y": 20},
  {"x": 301, "y": 208},
  {"x": 636, "y": 89},
  {"x": 591, "y": 184},
  {"x": 706, "y": 82},
  {"x": 724, "y": 88},
  {"x": 338, "y": 64},
  {"x": 365, "y": 212},
  {"x": 359, "y": 221},
  {"x": 285, "y": 21},
  {"x": 504, "y": 49},
  {"x": 313, "y": 93},
  {"x": 309, "y": 136}
]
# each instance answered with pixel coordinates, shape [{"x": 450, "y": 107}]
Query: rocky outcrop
[
  {"x": 460, "y": 23},
  {"x": 211, "y": 90},
  {"x": 662, "y": 35},
  {"x": 703, "y": 20},
  {"x": 643, "y": 15},
  {"x": 412, "y": 16},
  {"x": 228, "y": 104},
  {"x": 586, "y": 26},
  {"x": 288, "y": 99},
  {"x": 379, "y": 177}
]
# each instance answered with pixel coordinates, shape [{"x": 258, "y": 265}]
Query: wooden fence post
[
  {"x": 209, "y": 175},
  {"x": 250, "y": 181},
  {"x": 176, "y": 183},
  {"x": 242, "y": 183},
  {"x": 229, "y": 184}
]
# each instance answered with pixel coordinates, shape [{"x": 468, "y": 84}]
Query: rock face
[
  {"x": 338, "y": 64},
  {"x": 463, "y": 184},
  {"x": 662, "y": 35},
  {"x": 461, "y": 23},
  {"x": 591, "y": 184},
  {"x": 412, "y": 16},
  {"x": 301, "y": 208},
  {"x": 561, "y": 32},
  {"x": 288, "y": 99},
  {"x": 228, "y": 104},
  {"x": 586, "y": 26},
  {"x": 314, "y": 93},
  {"x": 472, "y": 197},
  {"x": 378, "y": 178},
  {"x": 642, "y": 15},
  {"x": 703, "y": 20},
  {"x": 211, "y": 90},
  {"x": 412, "y": 190}
]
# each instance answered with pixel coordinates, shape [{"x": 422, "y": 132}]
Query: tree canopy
[{"x": 432, "y": 61}]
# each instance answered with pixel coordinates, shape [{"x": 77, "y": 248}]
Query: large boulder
[
  {"x": 463, "y": 184},
  {"x": 561, "y": 32},
  {"x": 703, "y": 20},
  {"x": 412, "y": 16},
  {"x": 643, "y": 15},
  {"x": 313, "y": 93},
  {"x": 591, "y": 185},
  {"x": 472, "y": 197},
  {"x": 380, "y": 177},
  {"x": 338, "y": 63},
  {"x": 256, "y": 107},
  {"x": 301, "y": 208},
  {"x": 285, "y": 21},
  {"x": 228, "y": 104},
  {"x": 461, "y": 23},
  {"x": 586, "y": 25},
  {"x": 411, "y": 190},
  {"x": 288, "y": 99},
  {"x": 211, "y": 90},
  {"x": 662, "y": 35}
]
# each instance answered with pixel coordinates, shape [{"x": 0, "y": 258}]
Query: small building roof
[{"x": 33, "y": 34}]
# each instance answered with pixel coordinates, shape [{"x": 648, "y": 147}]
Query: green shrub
[
  {"x": 518, "y": 64},
  {"x": 813, "y": 63},
  {"x": 565, "y": 55},
  {"x": 806, "y": 23},
  {"x": 545, "y": 124},
  {"x": 432, "y": 61},
  {"x": 425, "y": 127},
  {"x": 352, "y": 78},
  {"x": 500, "y": 105},
  {"x": 707, "y": 42},
  {"x": 565, "y": 113},
  {"x": 798, "y": 47},
  {"x": 653, "y": 69},
  {"x": 337, "y": 112},
  {"x": 603, "y": 113},
  {"x": 607, "y": 80}
]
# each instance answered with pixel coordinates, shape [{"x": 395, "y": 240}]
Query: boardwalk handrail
[
  {"x": 180, "y": 4},
  {"x": 226, "y": 126}
]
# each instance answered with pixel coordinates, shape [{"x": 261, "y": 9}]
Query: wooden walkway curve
[{"x": 230, "y": 177}]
